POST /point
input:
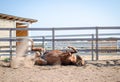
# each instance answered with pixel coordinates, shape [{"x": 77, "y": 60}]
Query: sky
[{"x": 65, "y": 13}]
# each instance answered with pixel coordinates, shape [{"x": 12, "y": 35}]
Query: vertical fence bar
[
  {"x": 92, "y": 47},
  {"x": 97, "y": 55},
  {"x": 43, "y": 42},
  {"x": 10, "y": 36},
  {"x": 53, "y": 39}
]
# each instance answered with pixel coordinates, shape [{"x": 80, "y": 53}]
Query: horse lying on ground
[{"x": 57, "y": 57}]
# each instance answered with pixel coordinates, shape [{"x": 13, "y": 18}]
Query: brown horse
[{"x": 57, "y": 57}]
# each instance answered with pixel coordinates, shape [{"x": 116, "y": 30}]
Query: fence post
[
  {"x": 53, "y": 38},
  {"x": 10, "y": 36},
  {"x": 43, "y": 42},
  {"x": 97, "y": 55},
  {"x": 92, "y": 47}
]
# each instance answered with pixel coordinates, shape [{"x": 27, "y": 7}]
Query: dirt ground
[{"x": 93, "y": 71}]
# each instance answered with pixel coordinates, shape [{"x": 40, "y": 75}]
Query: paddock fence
[{"x": 94, "y": 43}]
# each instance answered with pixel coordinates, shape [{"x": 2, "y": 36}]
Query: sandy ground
[{"x": 93, "y": 71}]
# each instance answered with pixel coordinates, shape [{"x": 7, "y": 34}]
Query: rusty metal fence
[{"x": 94, "y": 38}]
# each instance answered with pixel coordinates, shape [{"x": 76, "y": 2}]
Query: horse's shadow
[{"x": 104, "y": 63}]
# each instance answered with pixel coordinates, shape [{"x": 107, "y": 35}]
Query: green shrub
[{"x": 6, "y": 59}]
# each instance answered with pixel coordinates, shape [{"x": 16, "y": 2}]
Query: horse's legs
[{"x": 40, "y": 61}]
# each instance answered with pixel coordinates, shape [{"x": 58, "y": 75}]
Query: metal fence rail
[{"x": 93, "y": 37}]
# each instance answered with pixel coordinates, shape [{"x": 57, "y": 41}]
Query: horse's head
[{"x": 79, "y": 61}]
